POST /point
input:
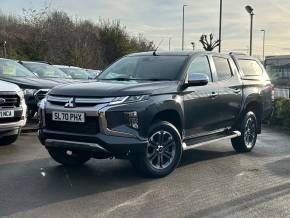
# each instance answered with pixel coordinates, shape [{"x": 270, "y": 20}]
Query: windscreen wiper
[
  {"x": 157, "y": 79},
  {"x": 120, "y": 79}
]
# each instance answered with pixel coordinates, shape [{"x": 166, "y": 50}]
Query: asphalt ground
[{"x": 212, "y": 181}]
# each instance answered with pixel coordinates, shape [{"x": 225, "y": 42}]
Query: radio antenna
[{"x": 154, "y": 52}]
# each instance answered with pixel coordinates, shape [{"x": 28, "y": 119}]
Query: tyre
[
  {"x": 68, "y": 157},
  {"x": 7, "y": 140},
  {"x": 249, "y": 128},
  {"x": 162, "y": 153}
]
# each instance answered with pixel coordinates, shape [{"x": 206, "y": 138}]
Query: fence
[{"x": 283, "y": 92}]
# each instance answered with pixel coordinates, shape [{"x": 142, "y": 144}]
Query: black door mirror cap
[{"x": 197, "y": 79}]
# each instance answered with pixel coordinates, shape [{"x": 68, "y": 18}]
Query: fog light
[{"x": 132, "y": 118}]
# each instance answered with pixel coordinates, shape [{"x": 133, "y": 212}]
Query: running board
[{"x": 219, "y": 137}]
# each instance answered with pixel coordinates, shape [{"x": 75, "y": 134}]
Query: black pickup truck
[{"x": 151, "y": 107}]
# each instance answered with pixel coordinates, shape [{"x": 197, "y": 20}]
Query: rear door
[{"x": 229, "y": 88}]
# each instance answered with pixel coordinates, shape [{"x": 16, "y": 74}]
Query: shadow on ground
[
  {"x": 31, "y": 184},
  {"x": 244, "y": 203},
  {"x": 194, "y": 156}
]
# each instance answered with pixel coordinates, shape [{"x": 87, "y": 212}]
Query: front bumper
[
  {"x": 116, "y": 146},
  {"x": 7, "y": 129},
  {"x": 7, "y": 126},
  {"x": 115, "y": 138}
]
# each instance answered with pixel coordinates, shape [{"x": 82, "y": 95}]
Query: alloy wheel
[
  {"x": 250, "y": 133},
  {"x": 161, "y": 150}
]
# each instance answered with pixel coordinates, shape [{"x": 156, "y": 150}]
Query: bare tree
[
  {"x": 53, "y": 36},
  {"x": 211, "y": 44}
]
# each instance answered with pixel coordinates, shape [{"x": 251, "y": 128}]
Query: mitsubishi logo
[
  {"x": 2, "y": 101},
  {"x": 70, "y": 103}
]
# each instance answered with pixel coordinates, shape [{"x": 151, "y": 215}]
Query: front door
[{"x": 200, "y": 103}]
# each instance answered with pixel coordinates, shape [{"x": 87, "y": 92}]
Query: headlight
[
  {"x": 129, "y": 99},
  {"x": 29, "y": 91}
]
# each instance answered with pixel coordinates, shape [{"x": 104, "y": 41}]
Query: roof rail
[{"x": 237, "y": 53}]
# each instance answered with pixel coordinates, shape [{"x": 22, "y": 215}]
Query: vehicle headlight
[
  {"x": 129, "y": 99},
  {"x": 29, "y": 91}
]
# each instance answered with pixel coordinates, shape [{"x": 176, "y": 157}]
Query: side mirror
[{"x": 197, "y": 79}]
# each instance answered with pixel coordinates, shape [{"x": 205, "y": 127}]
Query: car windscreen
[
  {"x": 45, "y": 70},
  {"x": 145, "y": 68},
  {"x": 9, "y": 68},
  {"x": 76, "y": 73}
]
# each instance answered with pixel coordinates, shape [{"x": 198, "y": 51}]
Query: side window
[
  {"x": 222, "y": 68},
  {"x": 250, "y": 67},
  {"x": 200, "y": 65}
]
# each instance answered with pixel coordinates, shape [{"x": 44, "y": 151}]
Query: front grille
[
  {"x": 79, "y": 101},
  {"x": 91, "y": 125},
  {"x": 40, "y": 94},
  {"x": 9, "y": 101}
]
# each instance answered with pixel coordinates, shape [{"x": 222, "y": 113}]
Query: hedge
[{"x": 281, "y": 112}]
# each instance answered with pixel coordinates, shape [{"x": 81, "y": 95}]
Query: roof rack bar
[{"x": 237, "y": 53}]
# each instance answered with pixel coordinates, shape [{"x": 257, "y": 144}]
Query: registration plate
[
  {"x": 68, "y": 117},
  {"x": 6, "y": 113}
]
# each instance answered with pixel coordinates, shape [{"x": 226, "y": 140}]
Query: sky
[{"x": 159, "y": 20}]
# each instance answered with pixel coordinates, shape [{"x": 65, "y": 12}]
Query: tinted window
[
  {"x": 145, "y": 68},
  {"x": 250, "y": 68},
  {"x": 200, "y": 65},
  {"x": 223, "y": 68}
]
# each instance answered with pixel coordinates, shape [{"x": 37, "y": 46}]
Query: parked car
[
  {"x": 47, "y": 71},
  {"x": 33, "y": 87},
  {"x": 93, "y": 74},
  {"x": 12, "y": 112},
  {"x": 151, "y": 107},
  {"x": 74, "y": 72}
]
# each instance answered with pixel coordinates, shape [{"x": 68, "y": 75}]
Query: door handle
[{"x": 213, "y": 95}]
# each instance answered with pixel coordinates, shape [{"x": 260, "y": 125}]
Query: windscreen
[
  {"x": 76, "y": 73},
  {"x": 45, "y": 70},
  {"x": 145, "y": 68},
  {"x": 9, "y": 68}
]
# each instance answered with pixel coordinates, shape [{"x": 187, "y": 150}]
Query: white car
[{"x": 12, "y": 112}]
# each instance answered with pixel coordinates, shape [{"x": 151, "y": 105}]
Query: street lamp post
[
  {"x": 264, "y": 35},
  {"x": 220, "y": 26},
  {"x": 169, "y": 44},
  {"x": 182, "y": 47},
  {"x": 250, "y": 10}
]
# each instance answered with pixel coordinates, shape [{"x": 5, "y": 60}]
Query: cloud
[{"x": 161, "y": 19}]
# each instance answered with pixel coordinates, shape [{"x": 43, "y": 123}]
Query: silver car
[{"x": 12, "y": 112}]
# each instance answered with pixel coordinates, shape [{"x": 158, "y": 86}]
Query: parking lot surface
[{"x": 212, "y": 181}]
